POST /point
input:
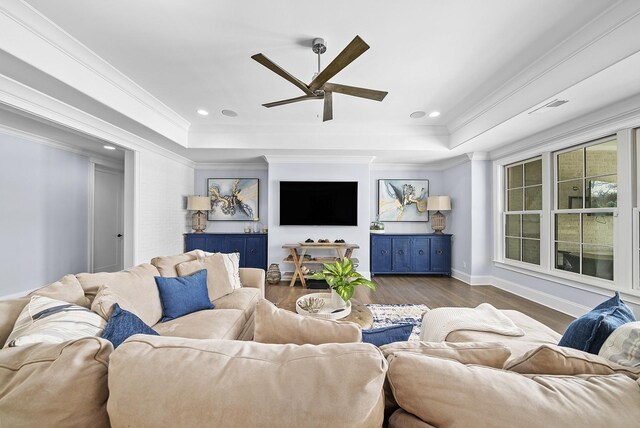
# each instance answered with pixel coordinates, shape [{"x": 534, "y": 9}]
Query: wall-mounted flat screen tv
[{"x": 318, "y": 203}]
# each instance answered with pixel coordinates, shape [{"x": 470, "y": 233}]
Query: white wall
[
  {"x": 481, "y": 220},
  {"x": 457, "y": 184},
  {"x": 43, "y": 214},
  {"x": 201, "y": 176},
  {"x": 161, "y": 189},
  {"x": 436, "y": 187},
  {"x": 279, "y": 235}
]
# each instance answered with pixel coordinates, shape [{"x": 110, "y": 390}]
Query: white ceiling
[{"x": 451, "y": 56}]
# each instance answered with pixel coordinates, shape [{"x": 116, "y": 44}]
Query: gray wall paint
[
  {"x": 201, "y": 176},
  {"x": 43, "y": 214},
  {"x": 457, "y": 184}
]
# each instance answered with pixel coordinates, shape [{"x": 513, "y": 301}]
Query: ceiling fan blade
[
  {"x": 370, "y": 94},
  {"x": 292, "y": 100},
  {"x": 353, "y": 50},
  {"x": 281, "y": 72},
  {"x": 327, "y": 114}
]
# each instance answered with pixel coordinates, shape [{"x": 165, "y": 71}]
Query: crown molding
[
  {"x": 35, "y": 103},
  {"x": 608, "y": 38},
  {"x": 231, "y": 166},
  {"x": 50, "y": 49},
  {"x": 319, "y": 159}
]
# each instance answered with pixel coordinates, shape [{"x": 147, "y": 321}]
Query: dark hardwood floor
[{"x": 434, "y": 292}]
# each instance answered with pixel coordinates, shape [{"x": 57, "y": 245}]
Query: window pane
[
  {"x": 597, "y": 229},
  {"x": 568, "y": 227},
  {"x": 570, "y": 165},
  {"x": 512, "y": 248},
  {"x": 597, "y": 261},
  {"x": 568, "y": 257},
  {"x": 533, "y": 173},
  {"x": 531, "y": 251},
  {"x": 602, "y": 192},
  {"x": 513, "y": 225},
  {"x": 531, "y": 226},
  {"x": 602, "y": 159},
  {"x": 514, "y": 176},
  {"x": 515, "y": 200},
  {"x": 570, "y": 195},
  {"x": 533, "y": 198}
]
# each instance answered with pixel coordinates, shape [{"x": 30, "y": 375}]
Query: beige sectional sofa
[{"x": 204, "y": 370}]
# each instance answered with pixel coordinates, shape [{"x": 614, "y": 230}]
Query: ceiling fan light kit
[{"x": 320, "y": 88}]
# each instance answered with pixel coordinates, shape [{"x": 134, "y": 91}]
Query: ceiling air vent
[{"x": 550, "y": 105}]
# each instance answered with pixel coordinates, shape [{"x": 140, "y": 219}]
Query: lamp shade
[
  {"x": 198, "y": 203},
  {"x": 439, "y": 203}
]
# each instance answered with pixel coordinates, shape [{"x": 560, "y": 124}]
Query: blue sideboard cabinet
[
  {"x": 251, "y": 246},
  {"x": 411, "y": 254}
]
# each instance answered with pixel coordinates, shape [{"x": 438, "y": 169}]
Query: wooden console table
[{"x": 297, "y": 252}]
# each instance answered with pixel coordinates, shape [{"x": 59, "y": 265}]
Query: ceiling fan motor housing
[{"x": 319, "y": 46}]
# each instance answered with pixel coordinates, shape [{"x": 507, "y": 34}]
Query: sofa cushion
[
  {"x": 244, "y": 299},
  {"x": 137, "y": 286},
  {"x": 56, "y": 385},
  {"x": 483, "y": 353},
  {"x": 403, "y": 419},
  {"x": 623, "y": 345},
  {"x": 385, "y": 335},
  {"x": 245, "y": 384},
  {"x": 9, "y": 312},
  {"x": 46, "y": 320},
  {"x": 122, "y": 325},
  {"x": 67, "y": 289},
  {"x": 535, "y": 334},
  {"x": 183, "y": 295},
  {"x": 166, "y": 265},
  {"x": 449, "y": 393},
  {"x": 274, "y": 325},
  {"x": 217, "y": 279},
  {"x": 557, "y": 360},
  {"x": 589, "y": 332},
  {"x": 209, "y": 324}
]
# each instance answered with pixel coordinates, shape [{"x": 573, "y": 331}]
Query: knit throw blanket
[{"x": 438, "y": 323}]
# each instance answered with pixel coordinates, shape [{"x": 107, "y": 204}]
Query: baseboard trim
[
  {"x": 471, "y": 279},
  {"x": 545, "y": 299}
]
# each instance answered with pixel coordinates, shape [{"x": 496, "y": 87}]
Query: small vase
[
  {"x": 337, "y": 301},
  {"x": 273, "y": 274}
]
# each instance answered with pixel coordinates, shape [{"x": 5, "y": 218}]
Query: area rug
[{"x": 386, "y": 315}]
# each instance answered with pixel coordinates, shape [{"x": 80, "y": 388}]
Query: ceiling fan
[{"x": 320, "y": 88}]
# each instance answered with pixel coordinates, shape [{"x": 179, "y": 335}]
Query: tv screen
[{"x": 318, "y": 203}]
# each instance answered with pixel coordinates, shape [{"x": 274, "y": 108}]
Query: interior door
[{"x": 108, "y": 219}]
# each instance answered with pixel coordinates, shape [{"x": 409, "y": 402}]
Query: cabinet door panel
[
  {"x": 236, "y": 245},
  {"x": 380, "y": 254},
  {"x": 215, "y": 244},
  {"x": 420, "y": 255},
  {"x": 195, "y": 242},
  {"x": 441, "y": 254},
  {"x": 401, "y": 255},
  {"x": 255, "y": 253}
]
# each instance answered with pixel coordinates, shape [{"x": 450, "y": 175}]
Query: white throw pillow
[
  {"x": 623, "y": 345},
  {"x": 46, "y": 320}
]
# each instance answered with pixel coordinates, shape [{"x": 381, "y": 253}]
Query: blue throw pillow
[
  {"x": 183, "y": 295},
  {"x": 123, "y": 324},
  {"x": 383, "y": 335},
  {"x": 589, "y": 332}
]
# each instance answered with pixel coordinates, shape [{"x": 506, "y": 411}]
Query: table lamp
[
  {"x": 437, "y": 204},
  {"x": 199, "y": 204}
]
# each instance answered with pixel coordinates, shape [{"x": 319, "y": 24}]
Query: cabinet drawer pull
[
  {"x": 439, "y": 252},
  {"x": 401, "y": 252},
  {"x": 252, "y": 251},
  {"x": 383, "y": 252},
  {"x": 421, "y": 252}
]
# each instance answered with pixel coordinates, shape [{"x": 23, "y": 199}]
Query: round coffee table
[{"x": 360, "y": 314}]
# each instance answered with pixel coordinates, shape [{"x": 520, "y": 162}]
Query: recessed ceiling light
[
  {"x": 109, "y": 147},
  {"x": 202, "y": 112},
  {"x": 434, "y": 114},
  {"x": 229, "y": 113},
  {"x": 417, "y": 114}
]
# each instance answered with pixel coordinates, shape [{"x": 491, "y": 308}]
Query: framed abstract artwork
[
  {"x": 233, "y": 198},
  {"x": 403, "y": 200}
]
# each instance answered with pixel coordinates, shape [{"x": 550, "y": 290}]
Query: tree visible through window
[{"x": 523, "y": 208}]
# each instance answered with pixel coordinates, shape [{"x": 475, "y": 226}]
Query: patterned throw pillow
[
  {"x": 232, "y": 264},
  {"x": 123, "y": 324},
  {"x": 623, "y": 346},
  {"x": 46, "y": 320},
  {"x": 589, "y": 332}
]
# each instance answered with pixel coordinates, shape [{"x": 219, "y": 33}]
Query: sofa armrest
[{"x": 253, "y": 277}]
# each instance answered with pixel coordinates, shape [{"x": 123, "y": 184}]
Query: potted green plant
[{"x": 342, "y": 278}]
